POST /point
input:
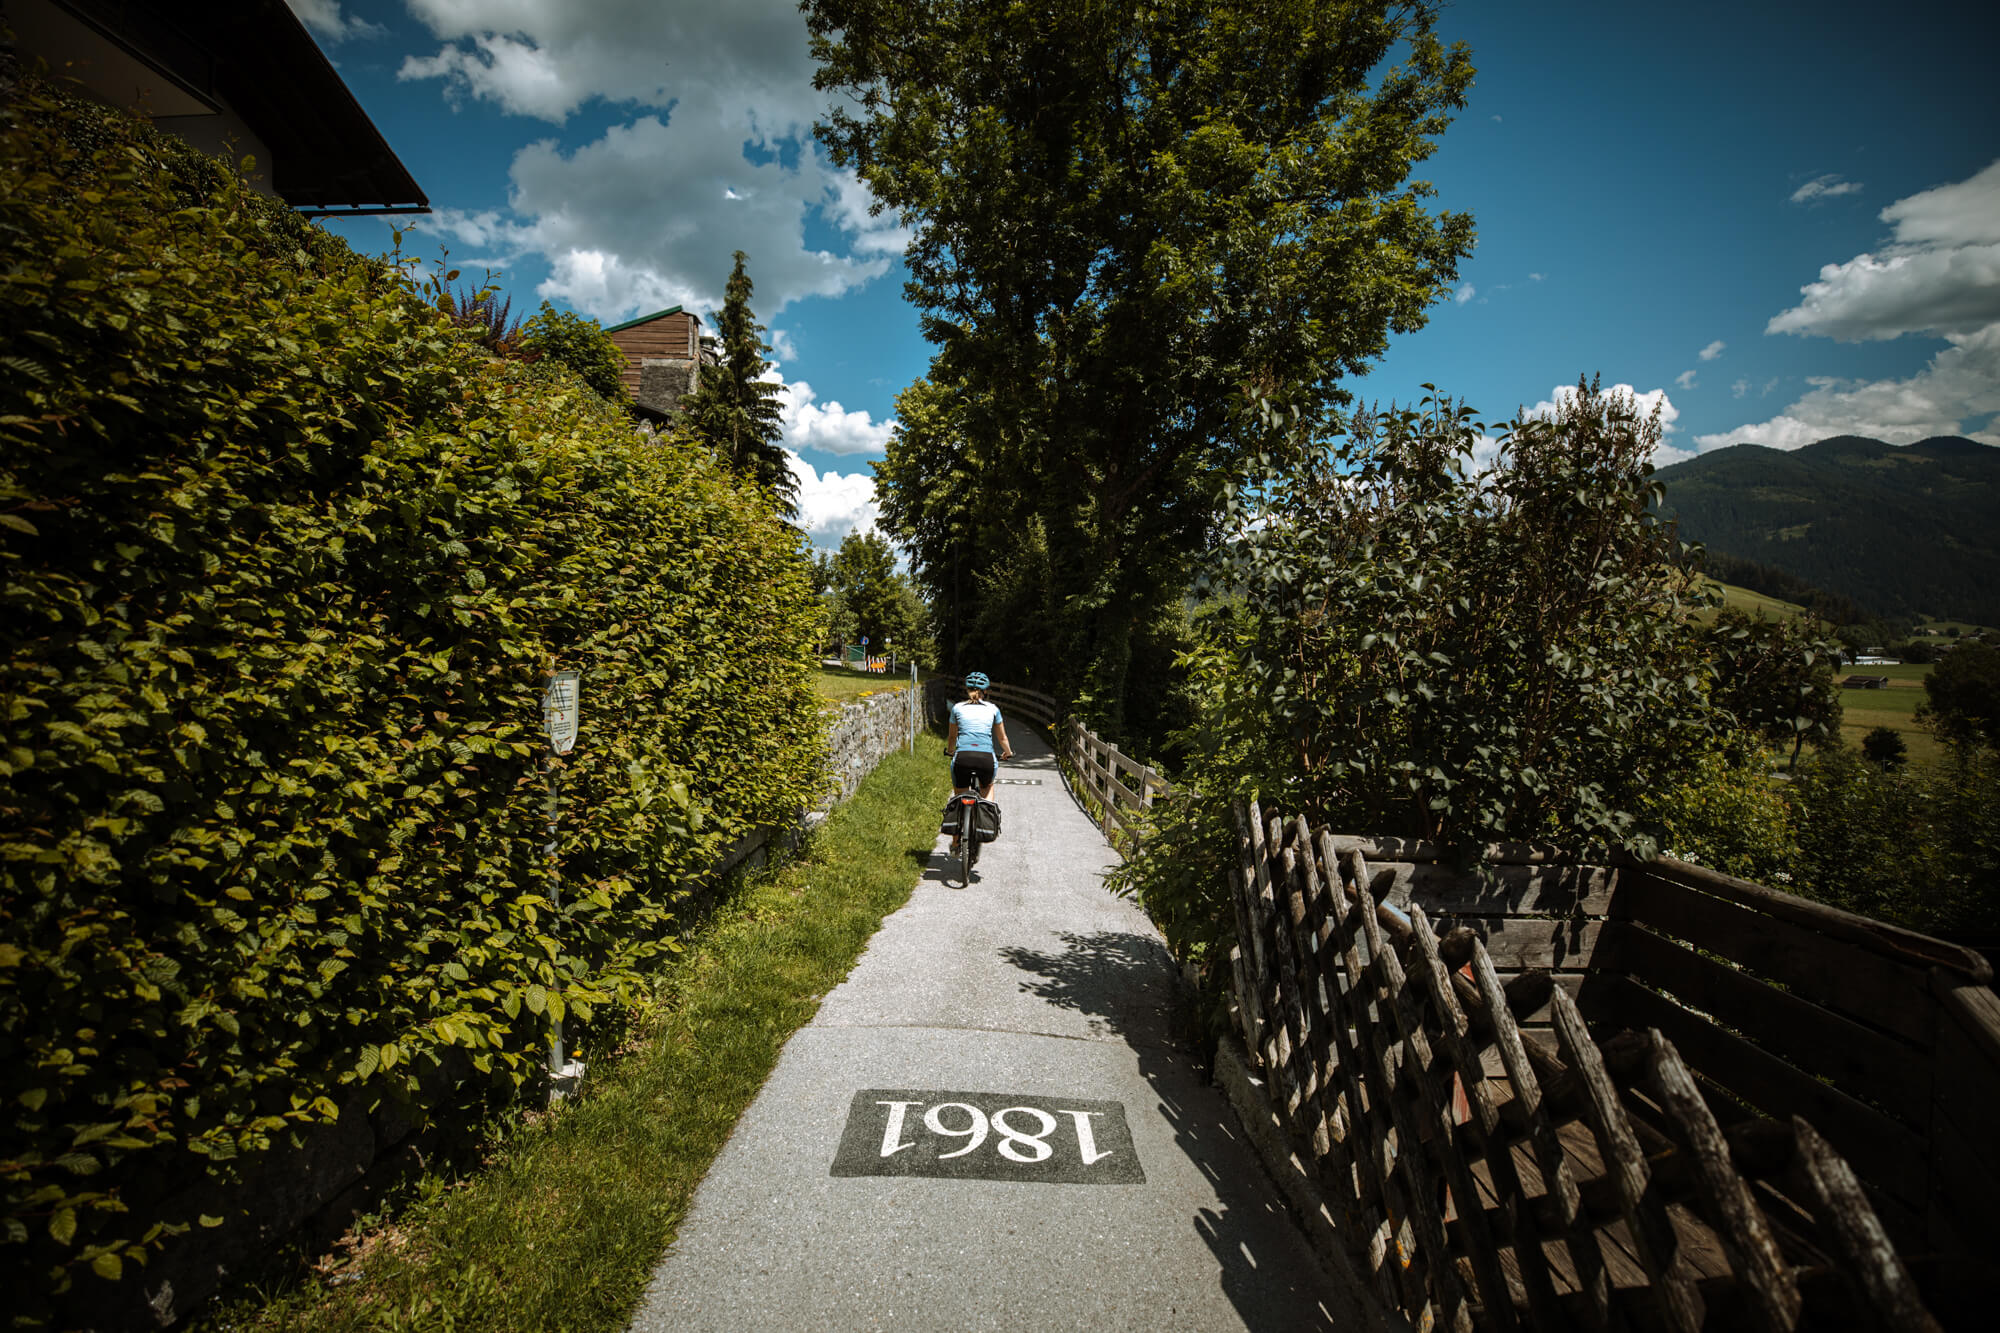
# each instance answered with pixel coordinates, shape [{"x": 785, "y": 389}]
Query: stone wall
[
  {"x": 868, "y": 729},
  {"x": 663, "y": 383}
]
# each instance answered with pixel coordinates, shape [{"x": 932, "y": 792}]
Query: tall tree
[
  {"x": 875, "y": 601},
  {"x": 1125, "y": 214},
  {"x": 734, "y": 407}
]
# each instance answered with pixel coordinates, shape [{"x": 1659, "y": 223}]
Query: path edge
[{"x": 1245, "y": 1092}]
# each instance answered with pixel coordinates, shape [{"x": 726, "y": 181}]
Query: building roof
[
  {"x": 648, "y": 319},
  {"x": 256, "y": 57}
]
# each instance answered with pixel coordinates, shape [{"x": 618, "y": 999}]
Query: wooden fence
[
  {"x": 1627, "y": 1095},
  {"x": 1099, "y": 774}
]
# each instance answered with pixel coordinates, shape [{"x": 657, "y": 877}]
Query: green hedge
[{"x": 285, "y": 560}]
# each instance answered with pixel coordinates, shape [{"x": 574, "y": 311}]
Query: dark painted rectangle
[{"x": 987, "y": 1136}]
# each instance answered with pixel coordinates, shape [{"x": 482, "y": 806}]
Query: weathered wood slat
[
  {"x": 1884, "y": 1151},
  {"x": 1430, "y": 1088},
  {"x": 1413, "y": 849},
  {"x": 1651, "y": 1233},
  {"x": 1419, "y": 1239},
  {"x": 1455, "y": 1038},
  {"x": 1817, "y": 1040},
  {"x": 1849, "y": 1228},
  {"x": 1766, "y": 1282},
  {"x": 1334, "y": 1144},
  {"x": 1833, "y": 973},
  {"x": 1514, "y": 890},
  {"x": 1598, "y": 1186},
  {"x": 1906, "y": 947},
  {"x": 1367, "y": 1123}
]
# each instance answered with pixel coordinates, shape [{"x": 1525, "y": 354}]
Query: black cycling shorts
[{"x": 968, "y": 765}]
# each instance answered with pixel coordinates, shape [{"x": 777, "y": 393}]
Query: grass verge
[{"x": 561, "y": 1230}]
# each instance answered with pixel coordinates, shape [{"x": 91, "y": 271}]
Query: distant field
[
  {"x": 1755, "y": 603},
  {"x": 1861, "y": 711}
]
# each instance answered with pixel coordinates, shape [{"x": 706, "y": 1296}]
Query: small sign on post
[{"x": 559, "y": 709}]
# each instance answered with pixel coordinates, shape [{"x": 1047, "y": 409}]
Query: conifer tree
[{"x": 733, "y": 406}]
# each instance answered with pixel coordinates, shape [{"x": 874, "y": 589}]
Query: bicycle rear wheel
[{"x": 968, "y": 843}]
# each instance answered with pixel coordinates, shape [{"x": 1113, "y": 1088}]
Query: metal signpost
[{"x": 561, "y": 710}]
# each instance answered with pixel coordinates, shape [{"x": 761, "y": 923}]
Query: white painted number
[
  {"x": 893, "y": 1132},
  {"x": 974, "y": 1133},
  {"x": 1016, "y": 1144},
  {"x": 1086, "y": 1142},
  {"x": 1012, "y": 1140}
]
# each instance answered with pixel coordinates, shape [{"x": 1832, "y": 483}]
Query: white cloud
[
  {"x": 1534, "y": 277},
  {"x": 833, "y": 504},
  {"x": 1738, "y": 389},
  {"x": 1829, "y": 186},
  {"x": 829, "y": 427},
  {"x": 1939, "y": 274},
  {"x": 1645, "y": 403},
  {"x": 1465, "y": 293},
  {"x": 326, "y": 20},
  {"x": 720, "y": 158},
  {"x": 1496, "y": 120},
  {"x": 1685, "y": 379},
  {"x": 782, "y": 346},
  {"x": 1712, "y": 351},
  {"x": 1961, "y": 384}
]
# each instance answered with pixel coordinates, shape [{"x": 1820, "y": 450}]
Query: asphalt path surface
[{"x": 990, "y": 1125}]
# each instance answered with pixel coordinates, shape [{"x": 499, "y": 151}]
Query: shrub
[
  {"x": 284, "y": 563},
  {"x": 580, "y": 344},
  {"x": 1427, "y": 650}
]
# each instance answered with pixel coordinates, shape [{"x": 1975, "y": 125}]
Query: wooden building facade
[{"x": 666, "y": 343}]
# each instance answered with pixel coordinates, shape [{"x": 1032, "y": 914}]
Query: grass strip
[{"x": 562, "y": 1229}]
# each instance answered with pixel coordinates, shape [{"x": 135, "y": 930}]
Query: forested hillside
[{"x": 1904, "y": 531}]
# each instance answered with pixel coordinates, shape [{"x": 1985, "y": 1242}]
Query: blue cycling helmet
[{"x": 977, "y": 681}]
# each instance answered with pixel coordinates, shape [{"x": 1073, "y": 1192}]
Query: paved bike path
[{"x": 1059, "y": 1162}]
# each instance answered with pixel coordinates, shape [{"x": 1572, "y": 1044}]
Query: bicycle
[{"x": 965, "y": 805}]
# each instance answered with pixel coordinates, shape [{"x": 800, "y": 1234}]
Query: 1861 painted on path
[{"x": 987, "y": 1136}]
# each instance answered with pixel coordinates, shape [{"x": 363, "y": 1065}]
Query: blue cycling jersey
[{"x": 975, "y": 723}]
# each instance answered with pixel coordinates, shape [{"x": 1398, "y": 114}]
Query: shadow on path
[{"x": 1125, "y": 985}]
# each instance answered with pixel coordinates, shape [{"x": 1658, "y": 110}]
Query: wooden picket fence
[{"x": 1672, "y": 1149}]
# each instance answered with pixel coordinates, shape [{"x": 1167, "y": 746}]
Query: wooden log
[
  {"x": 1818, "y": 1040},
  {"x": 1848, "y": 1227},
  {"x": 1645, "y": 1217},
  {"x": 1726, "y": 1202}
]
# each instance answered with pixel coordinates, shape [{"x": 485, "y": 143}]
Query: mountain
[{"x": 1906, "y": 531}]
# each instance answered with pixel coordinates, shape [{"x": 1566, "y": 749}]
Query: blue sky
[{"x": 1780, "y": 223}]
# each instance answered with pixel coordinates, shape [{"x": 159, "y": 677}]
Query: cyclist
[{"x": 975, "y": 729}]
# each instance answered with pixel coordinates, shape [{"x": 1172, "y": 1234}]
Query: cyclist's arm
[
  {"x": 1000, "y": 734},
  {"x": 951, "y": 738}
]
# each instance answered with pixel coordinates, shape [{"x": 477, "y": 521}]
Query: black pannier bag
[
  {"x": 986, "y": 821},
  {"x": 949, "y": 822}
]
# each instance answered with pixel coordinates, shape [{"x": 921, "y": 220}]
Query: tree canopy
[
  {"x": 734, "y": 407},
  {"x": 1123, "y": 216}
]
